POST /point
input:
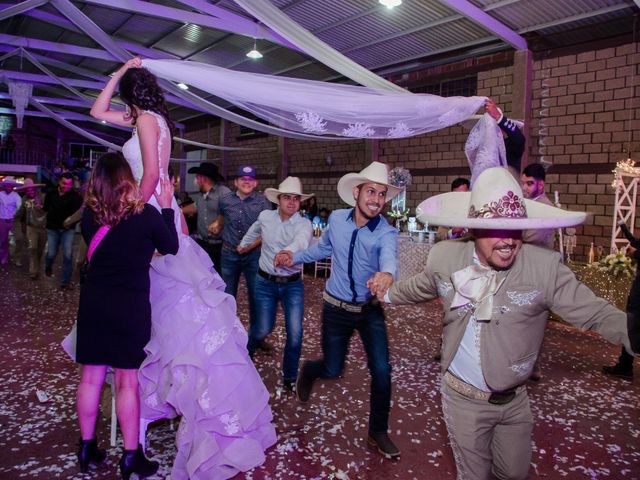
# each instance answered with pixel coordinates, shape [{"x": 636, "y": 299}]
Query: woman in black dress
[{"x": 114, "y": 315}]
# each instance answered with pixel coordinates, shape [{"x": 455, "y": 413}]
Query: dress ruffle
[{"x": 197, "y": 367}]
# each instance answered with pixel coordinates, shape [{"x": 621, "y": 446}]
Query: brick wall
[{"x": 583, "y": 105}]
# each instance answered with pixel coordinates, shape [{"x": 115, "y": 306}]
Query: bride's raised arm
[{"x": 101, "y": 108}]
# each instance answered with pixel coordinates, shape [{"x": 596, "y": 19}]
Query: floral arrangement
[
  {"x": 400, "y": 177},
  {"x": 616, "y": 264},
  {"x": 399, "y": 215}
]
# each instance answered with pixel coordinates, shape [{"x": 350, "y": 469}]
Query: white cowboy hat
[
  {"x": 291, "y": 186},
  {"x": 375, "y": 173},
  {"x": 495, "y": 202},
  {"x": 10, "y": 181},
  {"x": 28, "y": 183}
]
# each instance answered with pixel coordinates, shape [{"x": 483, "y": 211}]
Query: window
[{"x": 463, "y": 87}]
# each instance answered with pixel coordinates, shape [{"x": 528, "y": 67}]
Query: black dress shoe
[
  {"x": 289, "y": 385},
  {"x": 48, "y": 272},
  {"x": 134, "y": 461},
  {"x": 383, "y": 443},
  {"x": 266, "y": 347},
  {"x": 88, "y": 452},
  {"x": 304, "y": 385},
  {"x": 618, "y": 371}
]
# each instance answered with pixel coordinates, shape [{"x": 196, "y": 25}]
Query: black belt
[{"x": 277, "y": 278}]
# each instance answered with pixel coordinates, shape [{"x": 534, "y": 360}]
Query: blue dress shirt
[{"x": 356, "y": 254}]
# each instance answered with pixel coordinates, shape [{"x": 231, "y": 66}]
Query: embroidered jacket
[{"x": 510, "y": 342}]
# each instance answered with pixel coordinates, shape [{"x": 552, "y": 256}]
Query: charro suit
[{"x": 496, "y": 438}]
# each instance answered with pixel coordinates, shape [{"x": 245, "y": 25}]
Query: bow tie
[{"x": 476, "y": 284}]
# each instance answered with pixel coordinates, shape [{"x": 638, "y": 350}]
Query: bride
[{"x": 197, "y": 365}]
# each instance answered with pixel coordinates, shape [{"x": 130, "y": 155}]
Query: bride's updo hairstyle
[
  {"x": 113, "y": 194},
  {"x": 139, "y": 87}
]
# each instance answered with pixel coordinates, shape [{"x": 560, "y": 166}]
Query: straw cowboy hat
[
  {"x": 375, "y": 173},
  {"x": 290, "y": 186},
  {"x": 28, "y": 183},
  {"x": 495, "y": 202},
  {"x": 9, "y": 181}
]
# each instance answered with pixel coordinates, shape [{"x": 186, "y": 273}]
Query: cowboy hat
[
  {"x": 495, "y": 202},
  {"x": 291, "y": 186},
  {"x": 207, "y": 169},
  {"x": 376, "y": 172},
  {"x": 28, "y": 183},
  {"x": 9, "y": 181}
]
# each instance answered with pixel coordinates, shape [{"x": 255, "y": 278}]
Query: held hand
[
  {"x": 380, "y": 283},
  {"x": 284, "y": 257},
  {"x": 242, "y": 250},
  {"x": 214, "y": 228},
  {"x": 134, "y": 62},
  {"x": 621, "y": 223},
  {"x": 165, "y": 197},
  {"x": 492, "y": 109}
]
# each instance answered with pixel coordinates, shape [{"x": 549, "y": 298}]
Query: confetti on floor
[{"x": 587, "y": 425}]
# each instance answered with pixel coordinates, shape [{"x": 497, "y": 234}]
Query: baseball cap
[{"x": 247, "y": 171}]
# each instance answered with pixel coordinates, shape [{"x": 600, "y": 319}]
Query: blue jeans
[
  {"x": 54, "y": 239},
  {"x": 232, "y": 264},
  {"x": 291, "y": 297},
  {"x": 337, "y": 327}
]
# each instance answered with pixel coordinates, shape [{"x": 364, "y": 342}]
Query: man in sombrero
[
  {"x": 496, "y": 294},
  {"x": 9, "y": 202},
  {"x": 362, "y": 246},
  {"x": 35, "y": 219}
]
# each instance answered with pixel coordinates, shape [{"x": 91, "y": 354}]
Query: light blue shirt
[
  {"x": 293, "y": 234},
  {"x": 356, "y": 254}
]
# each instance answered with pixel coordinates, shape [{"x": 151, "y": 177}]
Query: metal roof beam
[
  {"x": 250, "y": 27},
  {"x": 20, "y": 8},
  {"x": 217, "y": 17},
  {"x": 575, "y": 18},
  {"x": 479, "y": 17},
  {"x": 69, "y": 49}
]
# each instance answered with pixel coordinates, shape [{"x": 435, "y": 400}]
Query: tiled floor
[{"x": 587, "y": 425}]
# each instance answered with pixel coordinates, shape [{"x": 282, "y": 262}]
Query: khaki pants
[
  {"x": 489, "y": 439},
  {"x": 5, "y": 228},
  {"x": 20, "y": 236},
  {"x": 37, "y": 239}
]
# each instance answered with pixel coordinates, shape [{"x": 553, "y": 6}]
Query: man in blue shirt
[
  {"x": 238, "y": 211},
  {"x": 362, "y": 246}
]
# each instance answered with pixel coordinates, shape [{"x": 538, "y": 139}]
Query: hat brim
[
  {"x": 451, "y": 210},
  {"x": 351, "y": 180},
  {"x": 273, "y": 193},
  {"x": 198, "y": 171},
  {"x": 33, "y": 185}
]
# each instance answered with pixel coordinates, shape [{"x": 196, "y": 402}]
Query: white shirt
[
  {"x": 293, "y": 234},
  {"x": 9, "y": 203},
  {"x": 466, "y": 364}
]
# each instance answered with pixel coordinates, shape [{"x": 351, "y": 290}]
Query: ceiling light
[
  {"x": 254, "y": 53},
  {"x": 390, "y": 3},
  {"x": 183, "y": 86},
  {"x": 103, "y": 121}
]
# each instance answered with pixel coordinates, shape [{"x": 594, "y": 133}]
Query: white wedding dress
[{"x": 197, "y": 365}]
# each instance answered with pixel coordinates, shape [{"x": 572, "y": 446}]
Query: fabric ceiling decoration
[
  {"x": 281, "y": 23},
  {"x": 321, "y": 108}
]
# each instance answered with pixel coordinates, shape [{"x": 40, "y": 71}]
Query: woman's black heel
[
  {"x": 88, "y": 452},
  {"x": 134, "y": 461}
]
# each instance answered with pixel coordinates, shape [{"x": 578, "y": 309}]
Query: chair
[
  {"x": 324, "y": 264},
  {"x": 144, "y": 423}
]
